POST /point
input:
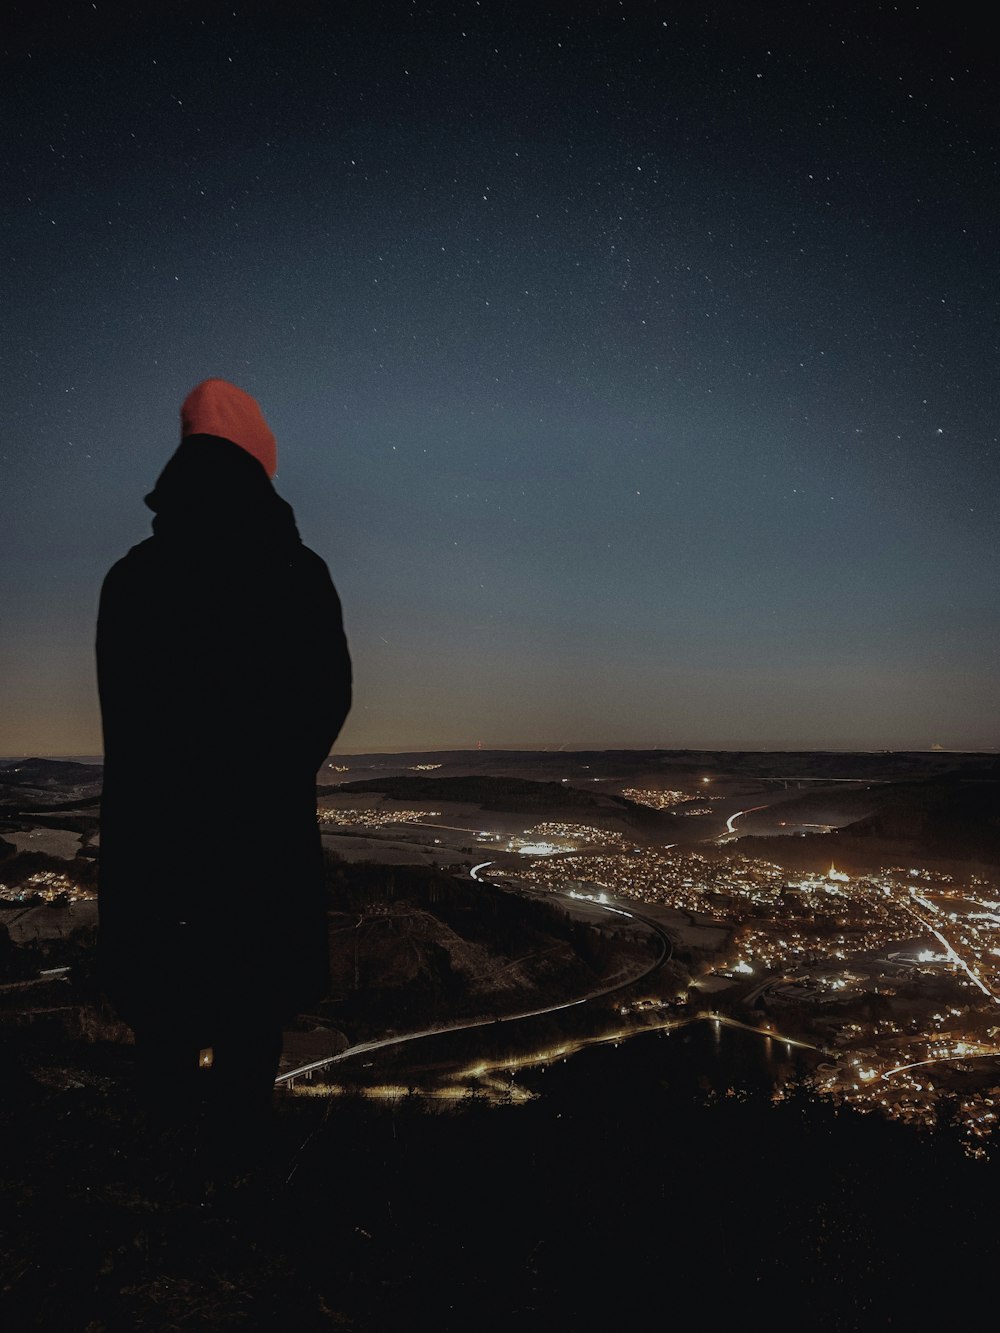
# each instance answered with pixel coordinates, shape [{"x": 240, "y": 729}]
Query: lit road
[
  {"x": 400, "y": 1039},
  {"x": 739, "y": 815},
  {"x": 952, "y": 953},
  {"x": 666, "y": 946},
  {"x": 48, "y": 975},
  {"x": 973, "y": 1053}
]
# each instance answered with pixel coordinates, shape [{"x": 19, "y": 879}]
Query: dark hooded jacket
[{"x": 224, "y": 679}]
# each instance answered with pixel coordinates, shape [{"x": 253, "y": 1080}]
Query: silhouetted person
[{"x": 224, "y": 679}]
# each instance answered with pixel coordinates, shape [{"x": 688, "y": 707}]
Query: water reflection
[{"x": 709, "y": 1051}]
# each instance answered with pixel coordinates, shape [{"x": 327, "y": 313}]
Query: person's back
[{"x": 224, "y": 679}]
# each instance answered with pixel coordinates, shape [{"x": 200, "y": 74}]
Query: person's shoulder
[
  {"x": 134, "y": 561},
  {"x": 312, "y": 575},
  {"x": 311, "y": 564},
  {"x": 311, "y": 560}
]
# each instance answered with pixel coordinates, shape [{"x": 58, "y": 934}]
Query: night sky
[{"x": 633, "y": 366}]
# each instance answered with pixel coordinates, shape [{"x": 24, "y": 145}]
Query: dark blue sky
[{"x": 635, "y": 373}]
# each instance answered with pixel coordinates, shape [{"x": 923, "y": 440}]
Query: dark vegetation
[
  {"x": 30, "y": 785},
  {"x": 18, "y": 962},
  {"x": 412, "y": 947},
  {"x": 492, "y": 793},
  {"x": 944, "y": 820}
]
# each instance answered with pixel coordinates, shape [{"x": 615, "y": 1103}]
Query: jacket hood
[
  {"x": 212, "y": 492},
  {"x": 216, "y": 407}
]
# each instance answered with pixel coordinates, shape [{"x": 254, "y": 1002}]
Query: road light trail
[
  {"x": 952, "y": 952},
  {"x": 939, "y": 1059},
  {"x": 397, "y": 1039},
  {"x": 739, "y": 815}
]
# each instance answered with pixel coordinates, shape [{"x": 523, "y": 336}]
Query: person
[{"x": 224, "y": 678}]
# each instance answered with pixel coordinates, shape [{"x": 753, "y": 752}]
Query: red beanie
[{"x": 216, "y": 407}]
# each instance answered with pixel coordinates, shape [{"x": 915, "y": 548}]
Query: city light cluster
[
  {"x": 48, "y": 885},
  {"x": 658, "y": 800},
  {"x": 375, "y": 818},
  {"x": 555, "y": 838}
]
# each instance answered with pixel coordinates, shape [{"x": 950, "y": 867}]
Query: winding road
[{"x": 289, "y": 1076}]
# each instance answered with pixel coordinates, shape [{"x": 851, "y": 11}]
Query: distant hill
[
  {"x": 411, "y": 946},
  {"x": 45, "y": 774},
  {"x": 550, "y": 800},
  {"x": 681, "y": 766},
  {"x": 941, "y": 819},
  {"x": 48, "y": 784}
]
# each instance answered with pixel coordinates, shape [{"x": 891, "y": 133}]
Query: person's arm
[
  {"x": 117, "y": 653},
  {"x": 321, "y": 675},
  {"x": 334, "y": 661}
]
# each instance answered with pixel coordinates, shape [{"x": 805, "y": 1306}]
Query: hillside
[
  {"x": 48, "y": 784},
  {"x": 411, "y": 947},
  {"x": 679, "y": 767},
  {"x": 947, "y": 819},
  {"x": 548, "y": 800}
]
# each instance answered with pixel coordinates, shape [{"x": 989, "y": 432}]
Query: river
[{"x": 537, "y": 1060}]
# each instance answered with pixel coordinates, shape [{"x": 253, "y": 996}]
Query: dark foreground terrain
[
  {"x": 598, "y": 1201},
  {"x": 638, "y": 1189}
]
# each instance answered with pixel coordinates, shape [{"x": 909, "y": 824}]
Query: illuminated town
[
  {"x": 894, "y": 978},
  {"x": 552, "y": 837},
  {"x": 375, "y": 819},
  {"x": 46, "y": 886},
  {"x": 891, "y": 979},
  {"x": 656, "y": 800}
]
